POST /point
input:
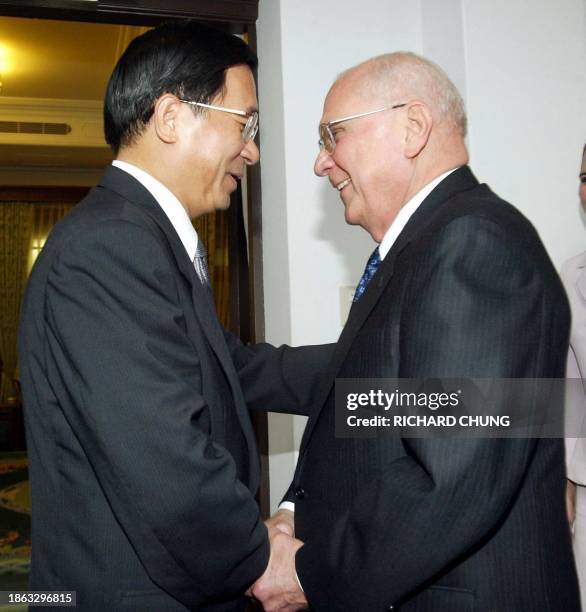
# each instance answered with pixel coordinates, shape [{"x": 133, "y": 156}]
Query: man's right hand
[{"x": 284, "y": 521}]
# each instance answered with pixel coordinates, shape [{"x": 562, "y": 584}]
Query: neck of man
[
  {"x": 154, "y": 163},
  {"x": 435, "y": 160},
  {"x": 141, "y": 159},
  {"x": 426, "y": 167}
]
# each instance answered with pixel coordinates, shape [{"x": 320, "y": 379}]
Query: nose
[
  {"x": 323, "y": 163},
  {"x": 250, "y": 153}
]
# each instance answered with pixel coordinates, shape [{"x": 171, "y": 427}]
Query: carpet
[{"x": 15, "y": 528}]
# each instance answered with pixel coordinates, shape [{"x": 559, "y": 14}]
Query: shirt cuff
[{"x": 287, "y": 505}]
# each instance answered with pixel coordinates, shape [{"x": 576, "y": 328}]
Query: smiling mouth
[{"x": 343, "y": 184}]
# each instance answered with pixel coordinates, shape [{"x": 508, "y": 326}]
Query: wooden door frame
[{"x": 246, "y": 281}]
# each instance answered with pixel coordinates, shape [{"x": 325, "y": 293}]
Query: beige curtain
[
  {"x": 212, "y": 229},
  {"x": 24, "y": 227},
  {"x": 45, "y": 215}
]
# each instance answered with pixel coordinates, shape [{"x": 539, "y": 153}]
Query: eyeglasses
[
  {"x": 327, "y": 140},
  {"x": 249, "y": 130}
]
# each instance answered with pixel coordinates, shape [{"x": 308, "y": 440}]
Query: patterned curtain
[
  {"x": 24, "y": 227},
  {"x": 16, "y": 223},
  {"x": 212, "y": 229},
  {"x": 45, "y": 215}
]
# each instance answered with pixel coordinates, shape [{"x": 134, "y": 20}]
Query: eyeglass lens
[
  {"x": 326, "y": 138},
  {"x": 251, "y": 128}
]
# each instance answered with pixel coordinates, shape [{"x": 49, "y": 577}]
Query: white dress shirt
[
  {"x": 171, "y": 206},
  {"x": 400, "y": 221}
]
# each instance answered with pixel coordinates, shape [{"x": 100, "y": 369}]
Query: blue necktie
[{"x": 370, "y": 270}]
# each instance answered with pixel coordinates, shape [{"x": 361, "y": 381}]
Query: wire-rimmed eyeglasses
[
  {"x": 249, "y": 130},
  {"x": 327, "y": 140}
]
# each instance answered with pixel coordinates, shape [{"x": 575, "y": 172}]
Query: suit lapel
[
  {"x": 206, "y": 312},
  {"x": 134, "y": 192},
  {"x": 460, "y": 180}
]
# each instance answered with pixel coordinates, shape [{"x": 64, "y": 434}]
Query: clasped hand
[{"x": 278, "y": 588}]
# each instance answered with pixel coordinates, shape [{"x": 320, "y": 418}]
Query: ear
[
  {"x": 165, "y": 118},
  {"x": 420, "y": 123}
]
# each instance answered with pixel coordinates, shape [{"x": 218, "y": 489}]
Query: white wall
[
  {"x": 526, "y": 75},
  {"x": 520, "y": 68}
]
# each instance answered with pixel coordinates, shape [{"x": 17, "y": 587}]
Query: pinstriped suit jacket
[{"x": 454, "y": 524}]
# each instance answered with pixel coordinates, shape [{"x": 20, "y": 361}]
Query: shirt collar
[
  {"x": 406, "y": 212},
  {"x": 168, "y": 202}
]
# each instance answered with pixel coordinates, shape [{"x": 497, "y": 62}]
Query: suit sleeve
[
  {"x": 117, "y": 336},
  {"x": 282, "y": 379},
  {"x": 474, "y": 308}
]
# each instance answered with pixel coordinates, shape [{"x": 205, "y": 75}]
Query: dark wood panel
[
  {"x": 12, "y": 436},
  {"x": 257, "y": 312},
  {"x": 235, "y": 13},
  {"x": 244, "y": 11},
  {"x": 254, "y": 207},
  {"x": 43, "y": 194}
]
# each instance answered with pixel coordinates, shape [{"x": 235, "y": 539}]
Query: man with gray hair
[{"x": 459, "y": 286}]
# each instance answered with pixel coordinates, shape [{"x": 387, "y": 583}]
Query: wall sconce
[
  {"x": 37, "y": 245},
  {"x": 3, "y": 64}
]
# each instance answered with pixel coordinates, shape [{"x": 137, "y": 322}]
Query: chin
[
  {"x": 351, "y": 219},
  {"x": 223, "y": 204}
]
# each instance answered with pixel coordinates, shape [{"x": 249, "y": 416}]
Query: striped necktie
[{"x": 200, "y": 263}]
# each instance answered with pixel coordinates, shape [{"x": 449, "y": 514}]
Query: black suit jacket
[
  {"x": 432, "y": 525},
  {"x": 143, "y": 461}
]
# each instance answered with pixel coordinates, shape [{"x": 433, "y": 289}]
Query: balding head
[{"x": 405, "y": 76}]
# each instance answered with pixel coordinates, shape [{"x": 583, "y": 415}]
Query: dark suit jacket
[
  {"x": 143, "y": 461},
  {"x": 434, "y": 525}
]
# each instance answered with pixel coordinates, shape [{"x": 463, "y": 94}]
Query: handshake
[{"x": 278, "y": 588}]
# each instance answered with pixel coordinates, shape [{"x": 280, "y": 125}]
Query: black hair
[{"x": 184, "y": 58}]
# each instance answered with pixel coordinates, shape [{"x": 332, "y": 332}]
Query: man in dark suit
[
  {"x": 143, "y": 461},
  {"x": 465, "y": 289}
]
